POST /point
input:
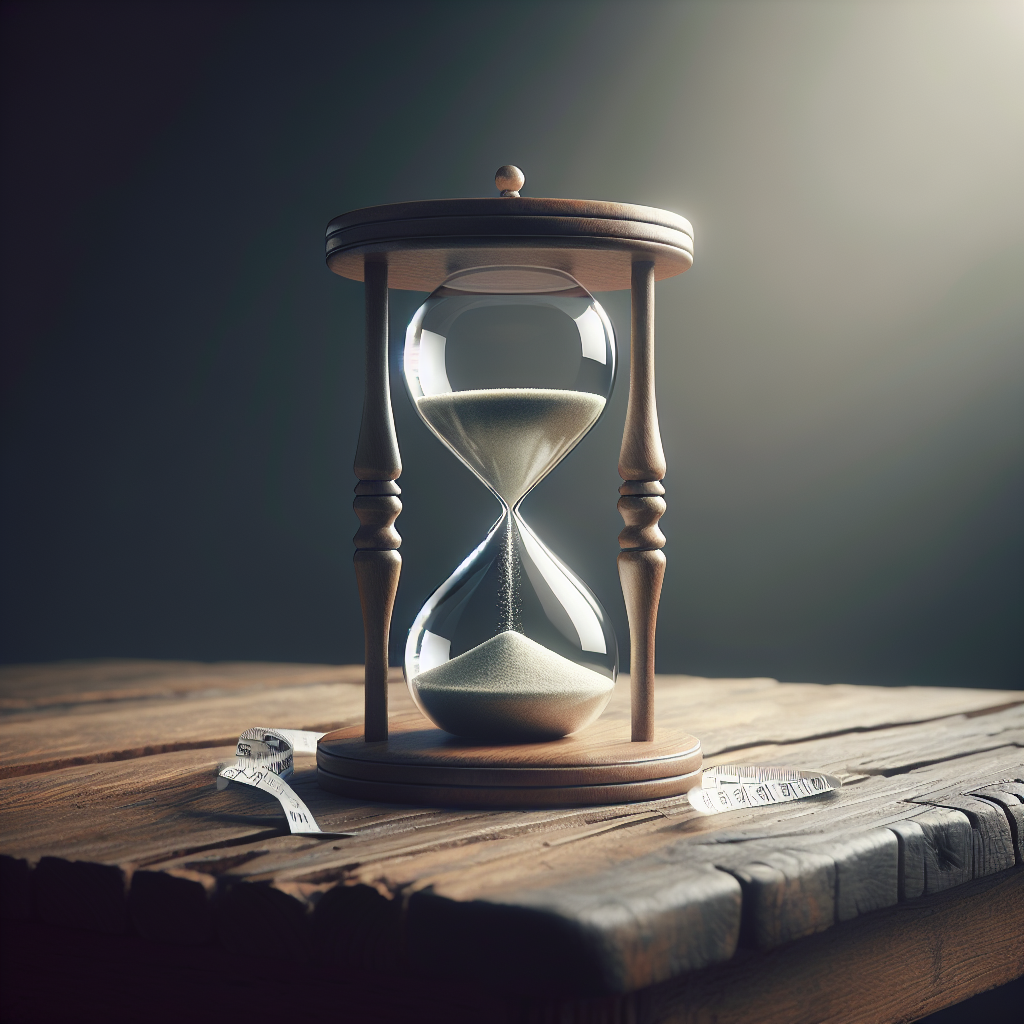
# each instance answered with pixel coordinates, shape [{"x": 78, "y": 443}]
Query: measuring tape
[
  {"x": 732, "y": 787},
  {"x": 264, "y": 758}
]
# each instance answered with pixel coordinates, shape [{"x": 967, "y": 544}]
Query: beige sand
[
  {"x": 511, "y": 688},
  {"x": 512, "y": 437}
]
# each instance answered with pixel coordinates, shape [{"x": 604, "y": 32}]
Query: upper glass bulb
[{"x": 510, "y": 367}]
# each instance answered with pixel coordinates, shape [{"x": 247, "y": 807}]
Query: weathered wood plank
[
  {"x": 148, "y": 845},
  {"x": 948, "y": 849},
  {"x": 892, "y": 751},
  {"x": 139, "y": 710},
  {"x": 991, "y": 839},
  {"x": 787, "y": 894},
  {"x": 742, "y": 714},
  {"x": 615, "y": 932},
  {"x": 910, "y": 872},
  {"x": 729, "y": 854},
  {"x": 338, "y": 812},
  {"x": 867, "y": 871},
  {"x": 67, "y": 684},
  {"x": 898, "y": 964},
  {"x": 477, "y": 832},
  {"x": 30, "y": 745},
  {"x": 471, "y": 886},
  {"x": 1010, "y": 797},
  {"x": 110, "y": 813}
]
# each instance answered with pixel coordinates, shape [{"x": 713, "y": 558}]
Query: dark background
[{"x": 840, "y": 375}]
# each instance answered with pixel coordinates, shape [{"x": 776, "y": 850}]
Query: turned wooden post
[
  {"x": 642, "y": 466},
  {"x": 377, "y": 465}
]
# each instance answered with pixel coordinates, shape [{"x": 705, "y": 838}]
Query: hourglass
[{"x": 509, "y": 362}]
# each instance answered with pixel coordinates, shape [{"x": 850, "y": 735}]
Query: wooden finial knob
[{"x": 510, "y": 180}]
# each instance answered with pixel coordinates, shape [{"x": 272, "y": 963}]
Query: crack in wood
[
  {"x": 622, "y": 896},
  {"x": 889, "y": 773},
  {"x": 720, "y": 752}
]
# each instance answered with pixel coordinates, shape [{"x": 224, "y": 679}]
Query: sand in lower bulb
[{"x": 512, "y": 689}]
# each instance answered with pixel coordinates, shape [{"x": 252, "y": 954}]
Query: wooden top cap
[
  {"x": 509, "y": 180},
  {"x": 423, "y": 243}
]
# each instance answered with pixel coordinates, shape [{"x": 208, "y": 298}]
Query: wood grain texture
[
  {"x": 1010, "y": 797},
  {"x": 641, "y": 487},
  {"x": 422, "y": 264},
  {"x": 425, "y": 242},
  {"x": 611, "y": 933},
  {"x": 641, "y": 514},
  {"x": 506, "y": 795},
  {"x": 991, "y": 838},
  {"x": 641, "y": 465},
  {"x": 528, "y": 206},
  {"x": 601, "y": 752},
  {"x": 629, "y": 899},
  {"x": 506, "y": 229},
  {"x": 377, "y": 574},
  {"x": 423, "y": 765},
  {"x": 641, "y": 574},
  {"x": 641, "y": 457},
  {"x": 377, "y": 515},
  {"x": 377, "y": 456},
  {"x": 79, "y": 718},
  {"x": 897, "y": 965},
  {"x": 60, "y": 687},
  {"x": 139, "y": 727},
  {"x": 378, "y": 464}
]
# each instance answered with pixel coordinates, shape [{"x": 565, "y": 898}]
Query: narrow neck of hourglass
[{"x": 508, "y": 508}]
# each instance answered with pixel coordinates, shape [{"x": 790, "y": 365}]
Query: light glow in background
[{"x": 840, "y": 375}]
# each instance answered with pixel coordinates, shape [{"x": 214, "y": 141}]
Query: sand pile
[
  {"x": 510, "y": 689},
  {"x": 512, "y": 437}
]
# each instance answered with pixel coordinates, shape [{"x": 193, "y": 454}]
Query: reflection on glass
[{"x": 510, "y": 367}]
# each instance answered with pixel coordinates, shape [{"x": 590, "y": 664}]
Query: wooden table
[{"x": 132, "y": 889}]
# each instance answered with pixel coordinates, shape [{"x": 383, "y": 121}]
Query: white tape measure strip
[
  {"x": 264, "y": 759},
  {"x": 733, "y": 787}
]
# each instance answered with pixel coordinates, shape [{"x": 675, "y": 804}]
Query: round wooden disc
[
  {"x": 421, "y": 764},
  {"x": 423, "y": 243}
]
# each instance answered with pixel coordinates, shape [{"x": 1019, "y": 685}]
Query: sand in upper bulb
[
  {"x": 511, "y": 437},
  {"x": 512, "y": 689}
]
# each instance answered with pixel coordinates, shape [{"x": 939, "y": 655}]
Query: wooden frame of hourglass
[{"x": 416, "y": 246}]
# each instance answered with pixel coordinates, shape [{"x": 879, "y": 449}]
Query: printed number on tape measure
[
  {"x": 264, "y": 758},
  {"x": 733, "y": 787}
]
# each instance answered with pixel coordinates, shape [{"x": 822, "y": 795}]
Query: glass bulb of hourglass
[{"x": 510, "y": 367}]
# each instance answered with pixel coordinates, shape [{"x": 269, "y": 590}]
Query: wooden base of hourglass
[{"x": 419, "y": 764}]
